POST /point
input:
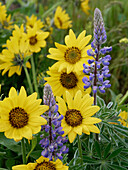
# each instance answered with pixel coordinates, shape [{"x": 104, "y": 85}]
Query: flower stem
[
  {"x": 23, "y": 151},
  {"x": 28, "y": 79},
  {"x": 124, "y": 98},
  {"x": 80, "y": 149},
  {"x": 34, "y": 76}
]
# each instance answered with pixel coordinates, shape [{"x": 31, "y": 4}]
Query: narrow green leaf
[
  {"x": 109, "y": 105},
  {"x": 100, "y": 102},
  {"x": 117, "y": 167},
  {"x": 114, "y": 153},
  {"x": 107, "y": 149},
  {"x": 97, "y": 148},
  {"x": 89, "y": 160},
  {"x": 34, "y": 143}
]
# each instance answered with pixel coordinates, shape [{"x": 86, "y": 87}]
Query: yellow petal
[
  {"x": 85, "y": 130},
  {"x": 78, "y": 130},
  {"x": 69, "y": 100},
  {"x": 77, "y": 99},
  {"x": 91, "y": 120},
  {"x": 72, "y": 136},
  {"x": 91, "y": 110},
  {"x": 62, "y": 106},
  {"x": 93, "y": 128}
]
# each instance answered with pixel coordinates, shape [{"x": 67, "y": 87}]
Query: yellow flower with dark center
[
  {"x": 42, "y": 164},
  {"x": 77, "y": 115},
  {"x": 124, "y": 118},
  {"x": 31, "y": 21},
  {"x": 72, "y": 55},
  {"x": 85, "y": 7},
  {"x": 63, "y": 81},
  {"x": 36, "y": 39},
  {"x": 20, "y": 115},
  {"x": 13, "y": 57},
  {"x": 62, "y": 19}
]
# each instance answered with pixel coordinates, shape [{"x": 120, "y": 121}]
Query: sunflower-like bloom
[
  {"x": 5, "y": 21},
  {"x": 124, "y": 118},
  {"x": 63, "y": 81},
  {"x": 42, "y": 163},
  {"x": 20, "y": 115},
  {"x": 13, "y": 57},
  {"x": 36, "y": 39},
  {"x": 72, "y": 55},
  {"x": 85, "y": 7},
  {"x": 31, "y": 21},
  {"x": 62, "y": 19},
  {"x": 77, "y": 115}
]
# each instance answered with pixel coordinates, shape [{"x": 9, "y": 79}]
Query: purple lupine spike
[
  {"x": 97, "y": 69},
  {"x": 52, "y": 143}
]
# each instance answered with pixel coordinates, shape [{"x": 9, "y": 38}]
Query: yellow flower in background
[
  {"x": 20, "y": 115},
  {"x": 73, "y": 55},
  {"x": 124, "y": 118},
  {"x": 13, "y": 57},
  {"x": 63, "y": 81},
  {"x": 31, "y": 21},
  {"x": 4, "y": 20},
  {"x": 85, "y": 7},
  {"x": 77, "y": 115},
  {"x": 124, "y": 40},
  {"x": 36, "y": 39},
  {"x": 42, "y": 163},
  {"x": 62, "y": 19}
]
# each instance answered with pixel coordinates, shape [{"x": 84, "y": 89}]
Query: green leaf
[
  {"x": 107, "y": 150},
  {"x": 36, "y": 154},
  {"x": 2, "y": 153},
  {"x": 34, "y": 143},
  {"x": 100, "y": 102},
  {"x": 121, "y": 129},
  {"x": 10, "y": 143},
  {"x": 3, "y": 169},
  {"x": 109, "y": 105},
  {"x": 114, "y": 153},
  {"x": 89, "y": 160},
  {"x": 117, "y": 167},
  {"x": 97, "y": 148}
]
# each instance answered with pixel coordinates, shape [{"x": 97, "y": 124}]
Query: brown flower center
[
  {"x": 73, "y": 117},
  {"x": 68, "y": 81},
  {"x": 60, "y": 22},
  {"x": 18, "y": 117},
  {"x": 33, "y": 40},
  {"x": 72, "y": 55},
  {"x": 45, "y": 166}
]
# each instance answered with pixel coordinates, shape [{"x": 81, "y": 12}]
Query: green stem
[
  {"x": 124, "y": 98},
  {"x": 34, "y": 76},
  {"x": 28, "y": 79},
  {"x": 80, "y": 149},
  {"x": 23, "y": 151}
]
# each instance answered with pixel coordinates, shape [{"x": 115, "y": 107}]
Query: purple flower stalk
[
  {"x": 52, "y": 142},
  {"x": 97, "y": 67}
]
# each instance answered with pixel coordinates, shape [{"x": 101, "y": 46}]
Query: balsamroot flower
[
  {"x": 85, "y": 7},
  {"x": 31, "y": 21},
  {"x": 36, "y": 38},
  {"x": 61, "y": 19},
  {"x": 52, "y": 142},
  {"x": 20, "y": 115},
  {"x": 72, "y": 55},
  {"x": 124, "y": 118},
  {"x": 63, "y": 81},
  {"x": 77, "y": 115},
  {"x": 42, "y": 163}
]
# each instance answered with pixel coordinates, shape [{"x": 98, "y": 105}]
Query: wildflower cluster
[
  {"x": 97, "y": 67},
  {"x": 52, "y": 143}
]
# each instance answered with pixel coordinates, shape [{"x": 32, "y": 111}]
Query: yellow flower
[
  {"x": 77, "y": 115},
  {"x": 124, "y": 40},
  {"x": 124, "y": 118},
  {"x": 36, "y": 39},
  {"x": 72, "y": 55},
  {"x": 13, "y": 57},
  {"x": 61, "y": 19},
  {"x": 42, "y": 164},
  {"x": 20, "y": 115},
  {"x": 85, "y": 7},
  {"x": 63, "y": 81},
  {"x": 31, "y": 21}
]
